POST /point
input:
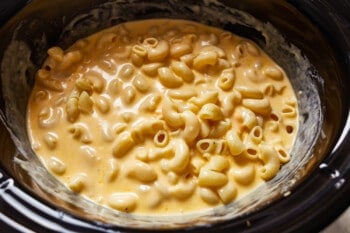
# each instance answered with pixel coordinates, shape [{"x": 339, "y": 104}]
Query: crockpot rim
[{"x": 338, "y": 197}]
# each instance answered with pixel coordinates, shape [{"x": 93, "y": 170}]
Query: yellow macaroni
[{"x": 162, "y": 117}]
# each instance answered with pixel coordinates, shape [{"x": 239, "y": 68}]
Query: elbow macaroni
[{"x": 169, "y": 115}]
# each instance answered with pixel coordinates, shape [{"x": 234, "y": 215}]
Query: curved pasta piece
[
  {"x": 205, "y": 128},
  {"x": 256, "y": 134},
  {"x": 167, "y": 78},
  {"x": 234, "y": 143},
  {"x": 227, "y": 193},
  {"x": 128, "y": 95},
  {"x": 151, "y": 69},
  {"x": 273, "y": 72},
  {"x": 179, "y": 49},
  {"x": 122, "y": 52},
  {"x": 222, "y": 65},
  {"x": 197, "y": 163},
  {"x": 183, "y": 190},
  {"x": 137, "y": 60},
  {"x": 142, "y": 172},
  {"x": 192, "y": 127},
  {"x": 172, "y": 177},
  {"x": 49, "y": 117},
  {"x": 205, "y": 59},
  {"x": 244, "y": 175},
  {"x": 80, "y": 132},
  {"x": 151, "y": 197},
  {"x": 226, "y": 80},
  {"x": 139, "y": 50},
  {"x": 209, "y": 196},
  {"x": 140, "y": 83},
  {"x": 114, "y": 87},
  {"x": 183, "y": 94},
  {"x": 162, "y": 189},
  {"x": 126, "y": 71},
  {"x": 98, "y": 82},
  {"x": 205, "y": 145},
  {"x": 56, "y": 53},
  {"x": 252, "y": 75},
  {"x": 146, "y": 128},
  {"x": 69, "y": 59},
  {"x": 160, "y": 152},
  {"x": 283, "y": 154},
  {"x": 245, "y": 48},
  {"x": 170, "y": 114},
  {"x": 220, "y": 146},
  {"x": 123, "y": 144},
  {"x": 56, "y": 165},
  {"x": 182, "y": 70},
  {"x": 159, "y": 52},
  {"x": 209, "y": 96},
  {"x": 150, "y": 42},
  {"x": 251, "y": 149},
  {"x": 220, "y": 52},
  {"x": 72, "y": 109},
  {"x": 271, "y": 162},
  {"x": 219, "y": 129},
  {"x": 188, "y": 59},
  {"x": 269, "y": 89},
  {"x": 211, "y": 112},
  {"x": 127, "y": 117},
  {"x": 78, "y": 183},
  {"x": 141, "y": 153},
  {"x": 249, "y": 92},
  {"x": 261, "y": 106},
  {"x": 112, "y": 170},
  {"x": 209, "y": 178},
  {"x": 181, "y": 157},
  {"x": 291, "y": 102},
  {"x": 248, "y": 117},
  {"x": 289, "y": 111},
  {"x": 85, "y": 103},
  {"x": 161, "y": 138},
  {"x": 273, "y": 89},
  {"x": 217, "y": 163},
  {"x": 123, "y": 201},
  {"x": 227, "y": 104},
  {"x": 150, "y": 102},
  {"x": 52, "y": 84},
  {"x": 102, "y": 103}
]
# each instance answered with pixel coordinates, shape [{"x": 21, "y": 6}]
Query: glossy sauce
[{"x": 114, "y": 79}]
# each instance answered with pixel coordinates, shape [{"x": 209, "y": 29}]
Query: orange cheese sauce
[{"x": 162, "y": 117}]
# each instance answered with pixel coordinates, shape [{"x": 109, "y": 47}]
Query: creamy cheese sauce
[{"x": 162, "y": 116}]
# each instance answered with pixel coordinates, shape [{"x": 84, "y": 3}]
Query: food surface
[{"x": 162, "y": 117}]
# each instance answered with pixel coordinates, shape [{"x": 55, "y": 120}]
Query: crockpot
[{"x": 319, "y": 30}]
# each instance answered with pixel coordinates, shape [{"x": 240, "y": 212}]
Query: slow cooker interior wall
[{"x": 307, "y": 38}]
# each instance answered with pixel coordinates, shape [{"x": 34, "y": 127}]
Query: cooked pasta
[{"x": 162, "y": 117}]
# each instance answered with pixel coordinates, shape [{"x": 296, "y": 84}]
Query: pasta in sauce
[{"x": 162, "y": 116}]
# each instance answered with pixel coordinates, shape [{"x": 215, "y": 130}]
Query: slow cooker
[{"x": 317, "y": 190}]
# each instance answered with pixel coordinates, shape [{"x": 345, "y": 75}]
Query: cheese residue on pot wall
[{"x": 162, "y": 116}]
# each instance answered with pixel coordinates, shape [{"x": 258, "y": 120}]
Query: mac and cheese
[{"x": 162, "y": 116}]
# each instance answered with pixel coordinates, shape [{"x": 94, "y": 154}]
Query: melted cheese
[{"x": 126, "y": 116}]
